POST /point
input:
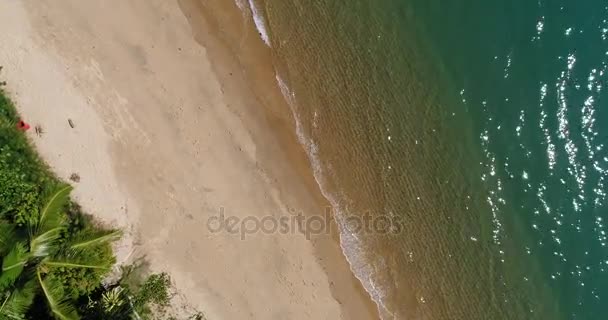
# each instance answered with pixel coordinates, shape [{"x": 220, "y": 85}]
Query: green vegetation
[
  {"x": 154, "y": 291},
  {"x": 41, "y": 258},
  {"x": 53, "y": 256}
]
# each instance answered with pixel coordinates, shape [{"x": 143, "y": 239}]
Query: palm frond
[
  {"x": 45, "y": 232},
  {"x": 90, "y": 239},
  {"x": 113, "y": 298},
  {"x": 17, "y": 302},
  {"x": 51, "y": 215},
  {"x": 76, "y": 258},
  {"x": 44, "y": 244},
  {"x": 57, "y": 301},
  {"x": 12, "y": 265},
  {"x": 75, "y": 264}
]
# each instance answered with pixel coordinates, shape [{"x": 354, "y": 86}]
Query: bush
[
  {"x": 19, "y": 199},
  {"x": 16, "y": 152},
  {"x": 23, "y": 175},
  {"x": 155, "y": 290},
  {"x": 149, "y": 294},
  {"x": 134, "y": 297}
]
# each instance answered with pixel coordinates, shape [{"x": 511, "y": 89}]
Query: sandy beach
[{"x": 169, "y": 131}]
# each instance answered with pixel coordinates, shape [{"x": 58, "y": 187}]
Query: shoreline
[
  {"x": 168, "y": 131},
  {"x": 258, "y": 64}
]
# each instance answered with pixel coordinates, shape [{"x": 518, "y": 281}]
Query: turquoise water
[
  {"x": 532, "y": 77},
  {"x": 481, "y": 125}
]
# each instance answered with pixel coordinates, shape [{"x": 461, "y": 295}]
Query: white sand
[{"x": 160, "y": 150}]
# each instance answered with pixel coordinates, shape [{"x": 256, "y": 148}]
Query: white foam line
[
  {"x": 350, "y": 244},
  {"x": 258, "y": 20}
]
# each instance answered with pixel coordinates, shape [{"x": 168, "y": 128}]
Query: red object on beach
[{"x": 21, "y": 125}]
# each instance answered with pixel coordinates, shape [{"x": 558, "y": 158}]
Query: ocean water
[{"x": 480, "y": 125}]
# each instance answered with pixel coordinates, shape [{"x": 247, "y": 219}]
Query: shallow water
[{"x": 480, "y": 125}]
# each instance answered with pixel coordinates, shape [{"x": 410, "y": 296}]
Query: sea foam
[
  {"x": 352, "y": 246},
  {"x": 258, "y": 19}
]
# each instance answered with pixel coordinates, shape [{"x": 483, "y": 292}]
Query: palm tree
[
  {"x": 31, "y": 253},
  {"x": 113, "y": 303}
]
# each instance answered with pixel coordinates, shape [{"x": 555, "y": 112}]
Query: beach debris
[
  {"x": 71, "y": 123},
  {"x": 75, "y": 177},
  {"x": 39, "y": 131},
  {"x": 21, "y": 125},
  {"x": 2, "y": 83}
]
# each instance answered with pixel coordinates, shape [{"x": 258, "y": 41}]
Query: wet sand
[{"x": 177, "y": 116}]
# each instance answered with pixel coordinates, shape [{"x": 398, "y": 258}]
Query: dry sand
[{"x": 167, "y": 132}]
